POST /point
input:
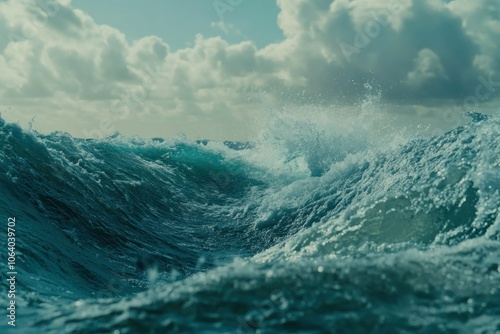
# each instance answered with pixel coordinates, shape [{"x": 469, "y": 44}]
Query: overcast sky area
[{"x": 210, "y": 68}]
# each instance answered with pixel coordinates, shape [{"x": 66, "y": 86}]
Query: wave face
[{"x": 317, "y": 233}]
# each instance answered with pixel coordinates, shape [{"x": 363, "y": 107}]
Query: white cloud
[
  {"x": 58, "y": 64},
  {"x": 338, "y": 46},
  {"x": 428, "y": 68}
]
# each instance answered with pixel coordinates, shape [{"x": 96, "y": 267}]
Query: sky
[
  {"x": 178, "y": 22},
  {"x": 214, "y": 69}
]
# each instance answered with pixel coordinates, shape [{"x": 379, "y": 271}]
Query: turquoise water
[{"x": 318, "y": 234}]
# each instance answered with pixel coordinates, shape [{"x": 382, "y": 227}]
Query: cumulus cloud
[
  {"x": 86, "y": 78},
  {"x": 412, "y": 49},
  {"x": 428, "y": 68}
]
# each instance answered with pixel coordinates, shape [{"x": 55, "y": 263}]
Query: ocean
[{"x": 321, "y": 232}]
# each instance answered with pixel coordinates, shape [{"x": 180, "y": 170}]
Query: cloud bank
[{"x": 78, "y": 76}]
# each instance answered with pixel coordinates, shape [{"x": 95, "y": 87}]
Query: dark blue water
[{"x": 318, "y": 234}]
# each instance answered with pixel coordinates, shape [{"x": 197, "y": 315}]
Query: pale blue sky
[{"x": 177, "y": 22}]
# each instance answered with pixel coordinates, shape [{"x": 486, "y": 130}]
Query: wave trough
[{"x": 316, "y": 234}]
